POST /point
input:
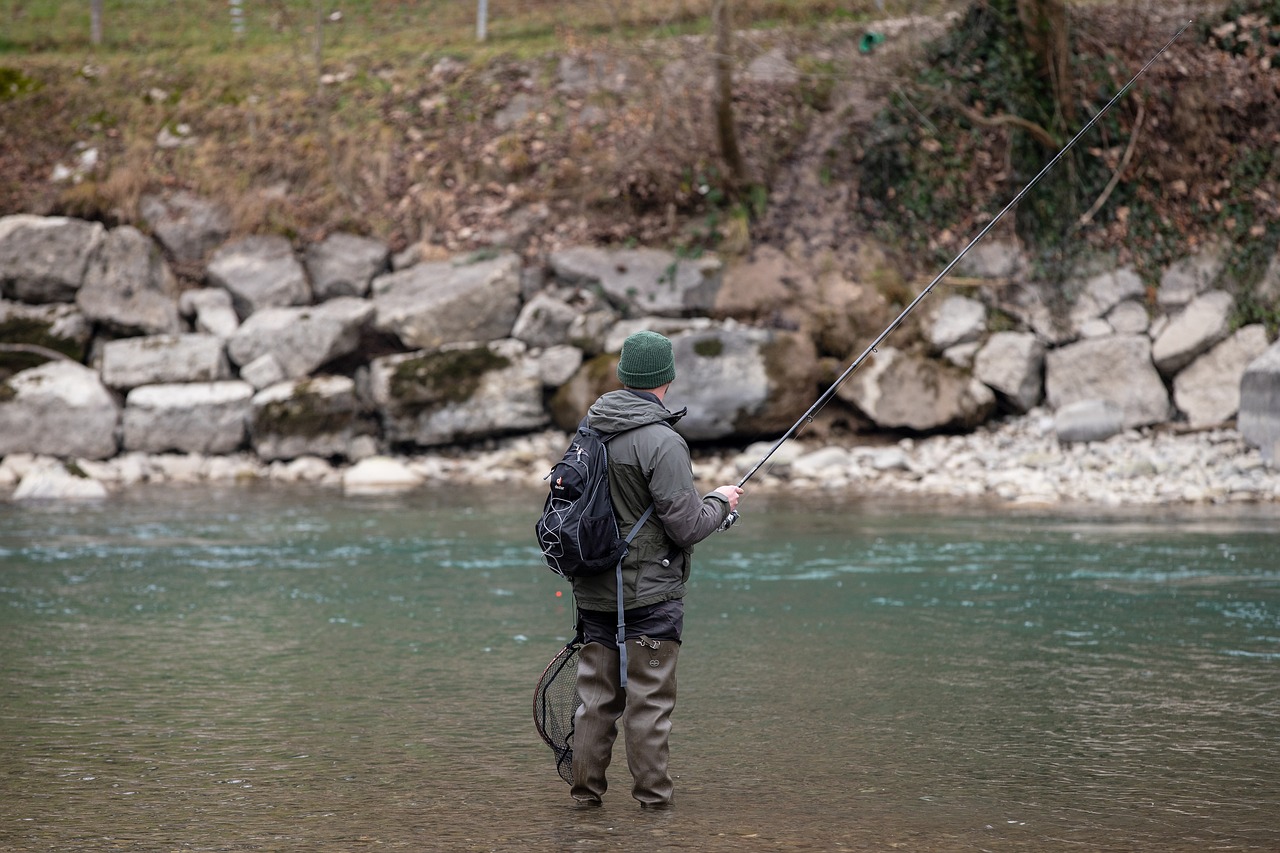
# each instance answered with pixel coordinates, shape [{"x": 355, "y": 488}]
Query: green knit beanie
[{"x": 646, "y": 361}]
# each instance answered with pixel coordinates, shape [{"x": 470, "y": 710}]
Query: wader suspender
[{"x": 622, "y": 621}]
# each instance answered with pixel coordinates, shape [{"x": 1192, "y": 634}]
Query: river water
[{"x": 250, "y": 668}]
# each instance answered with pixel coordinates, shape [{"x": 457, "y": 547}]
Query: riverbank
[{"x": 1018, "y": 461}]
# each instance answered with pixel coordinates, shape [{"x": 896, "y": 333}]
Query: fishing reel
[{"x": 729, "y": 520}]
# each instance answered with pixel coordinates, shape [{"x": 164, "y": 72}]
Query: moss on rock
[{"x": 448, "y": 376}]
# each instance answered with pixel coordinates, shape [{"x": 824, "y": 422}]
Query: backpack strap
[{"x": 622, "y": 619}]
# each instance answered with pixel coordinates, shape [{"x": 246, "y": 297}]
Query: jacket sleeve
[{"x": 686, "y": 517}]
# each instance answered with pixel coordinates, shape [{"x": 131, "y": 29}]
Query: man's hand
[{"x": 730, "y": 494}]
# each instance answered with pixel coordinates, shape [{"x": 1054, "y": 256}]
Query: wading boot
[
  {"x": 651, "y": 697},
  {"x": 595, "y": 726}
]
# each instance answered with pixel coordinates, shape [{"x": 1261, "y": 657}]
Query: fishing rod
[{"x": 830, "y": 392}]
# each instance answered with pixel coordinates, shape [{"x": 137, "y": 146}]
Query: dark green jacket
[{"x": 649, "y": 463}]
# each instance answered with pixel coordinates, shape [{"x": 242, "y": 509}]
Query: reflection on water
[{"x": 279, "y": 669}]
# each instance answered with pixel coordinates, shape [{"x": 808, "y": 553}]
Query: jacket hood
[{"x": 622, "y": 410}]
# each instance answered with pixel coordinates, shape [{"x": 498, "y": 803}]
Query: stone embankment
[
  {"x": 1019, "y": 461},
  {"x": 338, "y": 363}
]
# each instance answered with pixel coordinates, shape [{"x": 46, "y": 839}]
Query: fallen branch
[
  {"x": 36, "y": 349},
  {"x": 999, "y": 119},
  {"x": 1088, "y": 215}
]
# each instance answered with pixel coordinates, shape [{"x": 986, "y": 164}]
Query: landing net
[{"x": 555, "y": 701}]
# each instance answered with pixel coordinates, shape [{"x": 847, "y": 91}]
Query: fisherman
[{"x": 649, "y": 463}]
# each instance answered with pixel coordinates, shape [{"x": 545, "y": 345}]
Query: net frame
[{"x": 555, "y": 703}]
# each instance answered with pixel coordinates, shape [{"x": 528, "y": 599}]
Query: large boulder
[
  {"x": 196, "y": 417},
  {"x": 897, "y": 390},
  {"x": 188, "y": 227},
  {"x": 643, "y": 281},
  {"x": 318, "y": 416},
  {"x": 345, "y": 265},
  {"x": 159, "y": 359},
  {"x": 739, "y": 381},
  {"x": 1208, "y": 390},
  {"x": 1012, "y": 365},
  {"x": 302, "y": 339},
  {"x": 1259, "y": 418},
  {"x": 260, "y": 272},
  {"x": 1114, "y": 368},
  {"x": 58, "y": 409},
  {"x": 129, "y": 288},
  {"x": 1203, "y": 323},
  {"x": 430, "y": 305},
  {"x": 44, "y": 258},
  {"x": 459, "y": 392}
]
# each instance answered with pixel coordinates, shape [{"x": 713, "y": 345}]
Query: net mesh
[{"x": 555, "y": 701}]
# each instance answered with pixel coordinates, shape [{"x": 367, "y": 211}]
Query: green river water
[{"x": 251, "y": 668}]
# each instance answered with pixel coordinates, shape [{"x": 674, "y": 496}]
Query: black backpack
[{"x": 577, "y": 531}]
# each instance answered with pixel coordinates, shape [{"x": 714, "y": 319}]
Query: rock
[
  {"x": 159, "y": 359},
  {"x": 211, "y": 309},
  {"x": 129, "y": 288},
  {"x": 739, "y": 381},
  {"x": 59, "y": 409},
  {"x": 1129, "y": 318},
  {"x": 957, "y": 320},
  {"x": 58, "y": 326},
  {"x": 1208, "y": 390},
  {"x": 430, "y": 305},
  {"x": 263, "y": 372},
  {"x": 585, "y": 74},
  {"x": 1088, "y": 420},
  {"x": 779, "y": 463},
  {"x": 459, "y": 392},
  {"x": 643, "y": 281},
  {"x": 772, "y": 68},
  {"x": 993, "y": 259},
  {"x": 56, "y": 483},
  {"x": 962, "y": 355},
  {"x": 345, "y": 265},
  {"x": 317, "y": 416},
  {"x": 545, "y": 321},
  {"x": 556, "y": 365},
  {"x": 302, "y": 339},
  {"x": 820, "y": 463},
  {"x": 259, "y": 272},
  {"x": 1186, "y": 279},
  {"x": 379, "y": 474},
  {"x": 1259, "y": 418},
  {"x": 1203, "y": 323},
  {"x": 1102, "y": 293},
  {"x": 188, "y": 227},
  {"x": 1012, "y": 364},
  {"x": 193, "y": 417},
  {"x": 1117, "y": 369},
  {"x": 44, "y": 258},
  {"x": 766, "y": 287},
  {"x": 517, "y": 110},
  {"x": 897, "y": 391}
]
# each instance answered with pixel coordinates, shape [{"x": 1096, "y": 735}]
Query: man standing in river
[{"x": 649, "y": 463}]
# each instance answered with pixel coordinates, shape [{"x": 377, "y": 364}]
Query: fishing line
[{"x": 818, "y": 404}]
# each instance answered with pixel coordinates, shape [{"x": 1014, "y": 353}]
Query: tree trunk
[
  {"x": 1048, "y": 34},
  {"x": 726, "y": 129}
]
